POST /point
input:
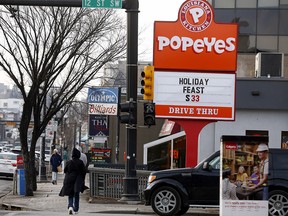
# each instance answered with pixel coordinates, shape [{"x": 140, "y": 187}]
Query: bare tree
[{"x": 50, "y": 53}]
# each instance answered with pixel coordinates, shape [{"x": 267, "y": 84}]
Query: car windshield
[
  {"x": 212, "y": 163},
  {"x": 8, "y": 156},
  {"x": 215, "y": 163}
]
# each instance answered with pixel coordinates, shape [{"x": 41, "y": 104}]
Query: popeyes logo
[
  {"x": 195, "y": 42},
  {"x": 196, "y": 16}
]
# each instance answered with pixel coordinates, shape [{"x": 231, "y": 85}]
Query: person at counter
[
  {"x": 255, "y": 177},
  {"x": 262, "y": 152},
  {"x": 241, "y": 176}
]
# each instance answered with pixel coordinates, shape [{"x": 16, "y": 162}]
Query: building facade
[
  {"x": 261, "y": 107},
  {"x": 261, "y": 101}
]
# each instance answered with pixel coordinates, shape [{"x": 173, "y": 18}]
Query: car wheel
[
  {"x": 166, "y": 201},
  {"x": 183, "y": 210},
  {"x": 278, "y": 203}
]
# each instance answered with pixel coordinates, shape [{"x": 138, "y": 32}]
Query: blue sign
[
  {"x": 98, "y": 125},
  {"x": 103, "y": 95}
]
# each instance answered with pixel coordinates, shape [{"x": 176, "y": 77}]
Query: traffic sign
[{"x": 101, "y": 3}]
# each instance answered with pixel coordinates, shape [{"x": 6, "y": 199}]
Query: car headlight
[{"x": 151, "y": 178}]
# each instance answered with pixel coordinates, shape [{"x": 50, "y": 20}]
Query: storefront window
[
  {"x": 170, "y": 154},
  {"x": 159, "y": 156}
]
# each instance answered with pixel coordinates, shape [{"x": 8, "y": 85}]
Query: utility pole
[{"x": 130, "y": 192}]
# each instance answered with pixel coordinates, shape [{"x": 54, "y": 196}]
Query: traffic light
[
  {"x": 130, "y": 109},
  {"x": 149, "y": 114},
  {"x": 147, "y": 82}
]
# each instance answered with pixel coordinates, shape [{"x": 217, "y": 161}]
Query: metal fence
[{"x": 108, "y": 182}]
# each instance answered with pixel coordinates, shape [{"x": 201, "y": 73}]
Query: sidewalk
[{"x": 46, "y": 198}]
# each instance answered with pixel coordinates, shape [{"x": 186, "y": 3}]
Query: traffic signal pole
[
  {"x": 132, "y": 10},
  {"x": 130, "y": 190}
]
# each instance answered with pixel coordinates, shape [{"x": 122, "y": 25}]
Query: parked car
[
  {"x": 2, "y": 143},
  {"x": 8, "y": 163},
  {"x": 4, "y": 149},
  {"x": 18, "y": 151},
  {"x": 172, "y": 192},
  {"x": 10, "y": 146}
]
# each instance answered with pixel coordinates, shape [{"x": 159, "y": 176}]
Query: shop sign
[
  {"x": 167, "y": 128},
  {"x": 102, "y": 109},
  {"x": 99, "y": 155},
  {"x": 195, "y": 41},
  {"x": 98, "y": 125},
  {"x": 193, "y": 95},
  {"x": 103, "y": 101}
]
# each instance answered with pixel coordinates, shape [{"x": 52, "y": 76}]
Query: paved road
[
  {"x": 46, "y": 201},
  {"x": 65, "y": 212},
  {"x": 47, "y": 213},
  {"x": 6, "y": 185}
]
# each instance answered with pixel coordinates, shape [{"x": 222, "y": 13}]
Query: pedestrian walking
[
  {"x": 55, "y": 161},
  {"x": 73, "y": 182},
  {"x": 83, "y": 157}
]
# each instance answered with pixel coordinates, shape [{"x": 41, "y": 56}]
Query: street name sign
[{"x": 102, "y": 3}]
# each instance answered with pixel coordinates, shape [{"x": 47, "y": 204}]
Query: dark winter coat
[
  {"x": 74, "y": 175},
  {"x": 55, "y": 161}
]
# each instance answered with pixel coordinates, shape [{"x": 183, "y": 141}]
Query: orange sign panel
[{"x": 195, "y": 41}]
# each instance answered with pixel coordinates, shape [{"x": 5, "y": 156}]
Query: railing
[{"x": 108, "y": 183}]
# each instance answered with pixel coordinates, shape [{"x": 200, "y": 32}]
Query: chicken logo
[{"x": 196, "y": 15}]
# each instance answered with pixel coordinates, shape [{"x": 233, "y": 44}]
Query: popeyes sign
[
  {"x": 195, "y": 41},
  {"x": 195, "y": 62}
]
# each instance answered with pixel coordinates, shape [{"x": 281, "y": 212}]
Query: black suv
[{"x": 172, "y": 192}]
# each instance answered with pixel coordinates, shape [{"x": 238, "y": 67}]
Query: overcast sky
[{"x": 150, "y": 11}]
